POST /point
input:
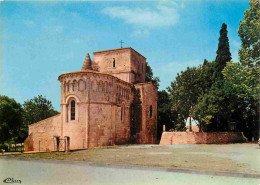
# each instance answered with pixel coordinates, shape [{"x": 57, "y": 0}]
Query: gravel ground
[{"x": 230, "y": 157}]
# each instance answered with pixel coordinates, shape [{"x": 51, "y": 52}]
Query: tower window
[
  {"x": 72, "y": 109},
  {"x": 142, "y": 68},
  {"x": 114, "y": 62},
  {"x": 151, "y": 111}
]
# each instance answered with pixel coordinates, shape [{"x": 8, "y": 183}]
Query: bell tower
[{"x": 123, "y": 63}]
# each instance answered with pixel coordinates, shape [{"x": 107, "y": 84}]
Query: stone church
[{"x": 98, "y": 105}]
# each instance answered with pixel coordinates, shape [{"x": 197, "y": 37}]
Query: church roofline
[
  {"x": 117, "y": 50},
  {"x": 45, "y": 119},
  {"x": 95, "y": 72}
]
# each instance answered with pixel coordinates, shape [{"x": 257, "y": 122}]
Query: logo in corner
[{"x": 11, "y": 180}]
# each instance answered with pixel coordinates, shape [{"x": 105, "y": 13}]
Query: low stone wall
[
  {"x": 39, "y": 141},
  {"x": 174, "y": 138}
]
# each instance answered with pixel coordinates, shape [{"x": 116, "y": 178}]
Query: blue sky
[{"x": 41, "y": 40}]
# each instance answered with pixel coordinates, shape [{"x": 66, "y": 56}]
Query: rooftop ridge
[
  {"x": 118, "y": 49},
  {"x": 96, "y": 72},
  {"x": 45, "y": 119}
]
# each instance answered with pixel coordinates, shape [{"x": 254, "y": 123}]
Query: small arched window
[
  {"x": 151, "y": 111},
  {"x": 72, "y": 110},
  {"x": 114, "y": 62}
]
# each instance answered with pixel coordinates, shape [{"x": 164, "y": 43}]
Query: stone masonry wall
[
  {"x": 129, "y": 66},
  {"x": 43, "y": 132},
  {"x": 50, "y": 125},
  {"x": 99, "y": 99},
  {"x": 138, "y": 66},
  {"x": 105, "y": 59},
  {"x": 171, "y": 138},
  {"x": 39, "y": 141},
  {"x": 149, "y": 99}
]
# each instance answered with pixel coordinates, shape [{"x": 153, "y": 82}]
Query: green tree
[
  {"x": 243, "y": 78},
  {"x": 10, "y": 119},
  {"x": 165, "y": 115},
  {"x": 184, "y": 93},
  {"x": 206, "y": 79},
  {"x": 150, "y": 78},
  {"x": 37, "y": 109},
  {"x": 223, "y": 52},
  {"x": 212, "y": 110},
  {"x": 249, "y": 32}
]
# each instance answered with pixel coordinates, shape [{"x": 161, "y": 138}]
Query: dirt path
[{"x": 242, "y": 158}]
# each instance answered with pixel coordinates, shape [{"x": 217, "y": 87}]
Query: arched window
[
  {"x": 72, "y": 110},
  {"x": 114, "y": 62},
  {"x": 151, "y": 111}
]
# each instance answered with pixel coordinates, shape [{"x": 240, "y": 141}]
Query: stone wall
[
  {"x": 149, "y": 99},
  {"x": 171, "y": 138},
  {"x": 124, "y": 63},
  {"x": 44, "y": 132},
  {"x": 138, "y": 66},
  {"x": 101, "y": 102},
  {"x": 51, "y": 125},
  {"x": 120, "y": 57},
  {"x": 39, "y": 141}
]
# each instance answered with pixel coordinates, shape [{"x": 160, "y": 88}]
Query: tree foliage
[
  {"x": 14, "y": 118},
  {"x": 166, "y": 116},
  {"x": 249, "y": 32},
  {"x": 223, "y": 52},
  {"x": 186, "y": 90},
  {"x": 150, "y": 78},
  {"x": 228, "y": 101},
  {"x": 10, "y": 119},
  {"x": 243, "y": 78},
  {"x": 37, "y": 109}
]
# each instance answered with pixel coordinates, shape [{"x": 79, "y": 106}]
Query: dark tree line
[{"x": 15, "y": 118}]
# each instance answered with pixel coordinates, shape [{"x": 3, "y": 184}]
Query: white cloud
[
  {"x": 161, "y": 16},
  {"x": 165, "y": 14}
]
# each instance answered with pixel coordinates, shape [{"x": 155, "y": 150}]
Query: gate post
[{"x": 67, "y": 149}]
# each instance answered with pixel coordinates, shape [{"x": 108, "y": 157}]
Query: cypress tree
[{"x": 223, "y": 53}]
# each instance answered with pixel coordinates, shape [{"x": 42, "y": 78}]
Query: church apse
[{"x": 96, "y": 103}]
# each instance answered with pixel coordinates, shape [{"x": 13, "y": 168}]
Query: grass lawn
[{"x": 229, "y": 157}]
